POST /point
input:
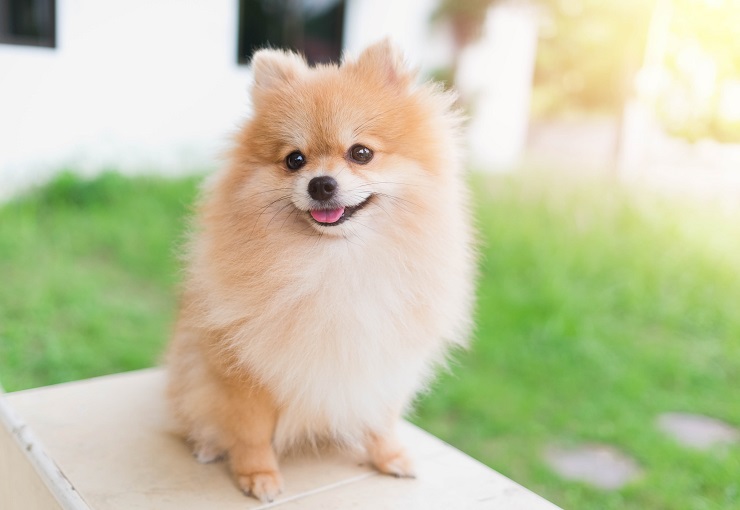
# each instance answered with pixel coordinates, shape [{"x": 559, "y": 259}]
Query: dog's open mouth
[{"x": 331, "y": 217}]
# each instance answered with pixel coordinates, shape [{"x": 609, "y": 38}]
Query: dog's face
[
  {"x": 332, "y": 173},
  {"x": 337, "y": 148}
]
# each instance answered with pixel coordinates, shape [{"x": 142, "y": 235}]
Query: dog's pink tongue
[{"x": 327, "y": 215}]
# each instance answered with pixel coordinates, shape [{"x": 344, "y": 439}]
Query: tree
[
  {"x": 589, "y": 50},
  {"x": 699, "y": 94}
]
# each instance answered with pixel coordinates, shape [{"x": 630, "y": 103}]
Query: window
[
  {"x": 311, "y": 27},
  {"x": 28, "y": 22}
]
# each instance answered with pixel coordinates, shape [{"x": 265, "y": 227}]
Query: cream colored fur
[{"x": 327, "y": 331}]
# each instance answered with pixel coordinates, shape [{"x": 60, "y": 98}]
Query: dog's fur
[{"x": 293, "y": 332}]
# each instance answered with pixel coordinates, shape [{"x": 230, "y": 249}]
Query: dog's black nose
[{"x": 322, "y": 188}]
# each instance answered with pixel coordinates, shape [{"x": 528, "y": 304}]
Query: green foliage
[
  {"x": 88, "y": 271},
  {"x": 597, "y": 310},
  {"x": 588, "y": 54},
  {"x": 465, "y": 16},
  {"x": 702, "y": 71},
  {"x": 69, "y": 191},
  {"x": 589, "y": 50}
]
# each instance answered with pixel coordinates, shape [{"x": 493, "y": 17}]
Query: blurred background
[{"x": 604, "y": 155}]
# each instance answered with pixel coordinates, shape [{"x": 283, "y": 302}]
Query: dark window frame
[
  {"x": 253, "y": 33},
  {"x": 47, "y": 12}
]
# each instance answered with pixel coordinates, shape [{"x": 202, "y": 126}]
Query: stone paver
[
  {"x": 696, "y": 430},
  {"x": 602, "y": 466}
]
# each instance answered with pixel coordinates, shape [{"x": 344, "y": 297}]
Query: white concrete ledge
[{"x": 106, "y": 444}]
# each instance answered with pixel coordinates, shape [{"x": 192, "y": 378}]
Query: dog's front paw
[
  {"x": 389, "y": 456},
  {"x": 398, "y": 464},
  {"x": 206, "y": 453},
  {"x": 264, "y": 486}
]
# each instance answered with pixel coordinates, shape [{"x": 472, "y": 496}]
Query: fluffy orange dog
[{"x": 330, "y": 268}]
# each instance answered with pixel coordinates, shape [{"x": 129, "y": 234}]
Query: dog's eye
[
  {"x": 295, "y": 160},
  {"x": 360, "y": 154}
]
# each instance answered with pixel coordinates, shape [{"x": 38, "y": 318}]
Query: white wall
[
  {"x": 495, "y": 75},
  {"x": 135, "y": 85},
  {"x": 406, "y": 22},
  {"x": 153, "y": 85}
]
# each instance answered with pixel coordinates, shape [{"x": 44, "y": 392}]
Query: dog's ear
[
  {"x": 273, "y": 67},
  {"x": 386, "y": 61}
]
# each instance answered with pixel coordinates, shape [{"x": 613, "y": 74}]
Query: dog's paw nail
[
  {"x": 207, "y": 454},
  {"x": 399, "y": 466},
  {"x": 265, "y": 486}
]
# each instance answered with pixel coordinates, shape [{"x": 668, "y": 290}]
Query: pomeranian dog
[{"x": 330, "y": 268}]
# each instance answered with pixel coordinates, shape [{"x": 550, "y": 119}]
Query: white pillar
[{"x": 495, "y": 74}]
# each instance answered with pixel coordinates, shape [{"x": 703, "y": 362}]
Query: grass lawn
[{"x": 597, "y": 311}]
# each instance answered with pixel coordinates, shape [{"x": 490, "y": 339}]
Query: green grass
[
  {"x": 597, "y": 310},
  {"x": 88, "y": 274}
]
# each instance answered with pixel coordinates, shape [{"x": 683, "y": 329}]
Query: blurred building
[{"x": 158, "y": 85}]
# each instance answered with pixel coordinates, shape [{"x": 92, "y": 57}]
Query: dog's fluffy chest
[{"x": 343, "y": 344}]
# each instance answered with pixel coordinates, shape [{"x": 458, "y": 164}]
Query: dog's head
[{"x": 333, "y": 149}]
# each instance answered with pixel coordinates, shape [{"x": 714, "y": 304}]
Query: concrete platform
[{"x": 107, "y": 444}]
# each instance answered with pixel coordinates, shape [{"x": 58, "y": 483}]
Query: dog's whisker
[
  {"x": 318, "y": 240},
  {"x": 374, "y": 183},
  {"x": 278, "y": 213},
  {"x": 382, "y": 208},
  {"x": 270, "y": 191},
  {"x": 401, "y": 203},
  {"x": 367, "y": 226},
  {"x": 262, "y": 210},
  {"x": 292, "y": 213},
  {"x": 267, "y": 206}
]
